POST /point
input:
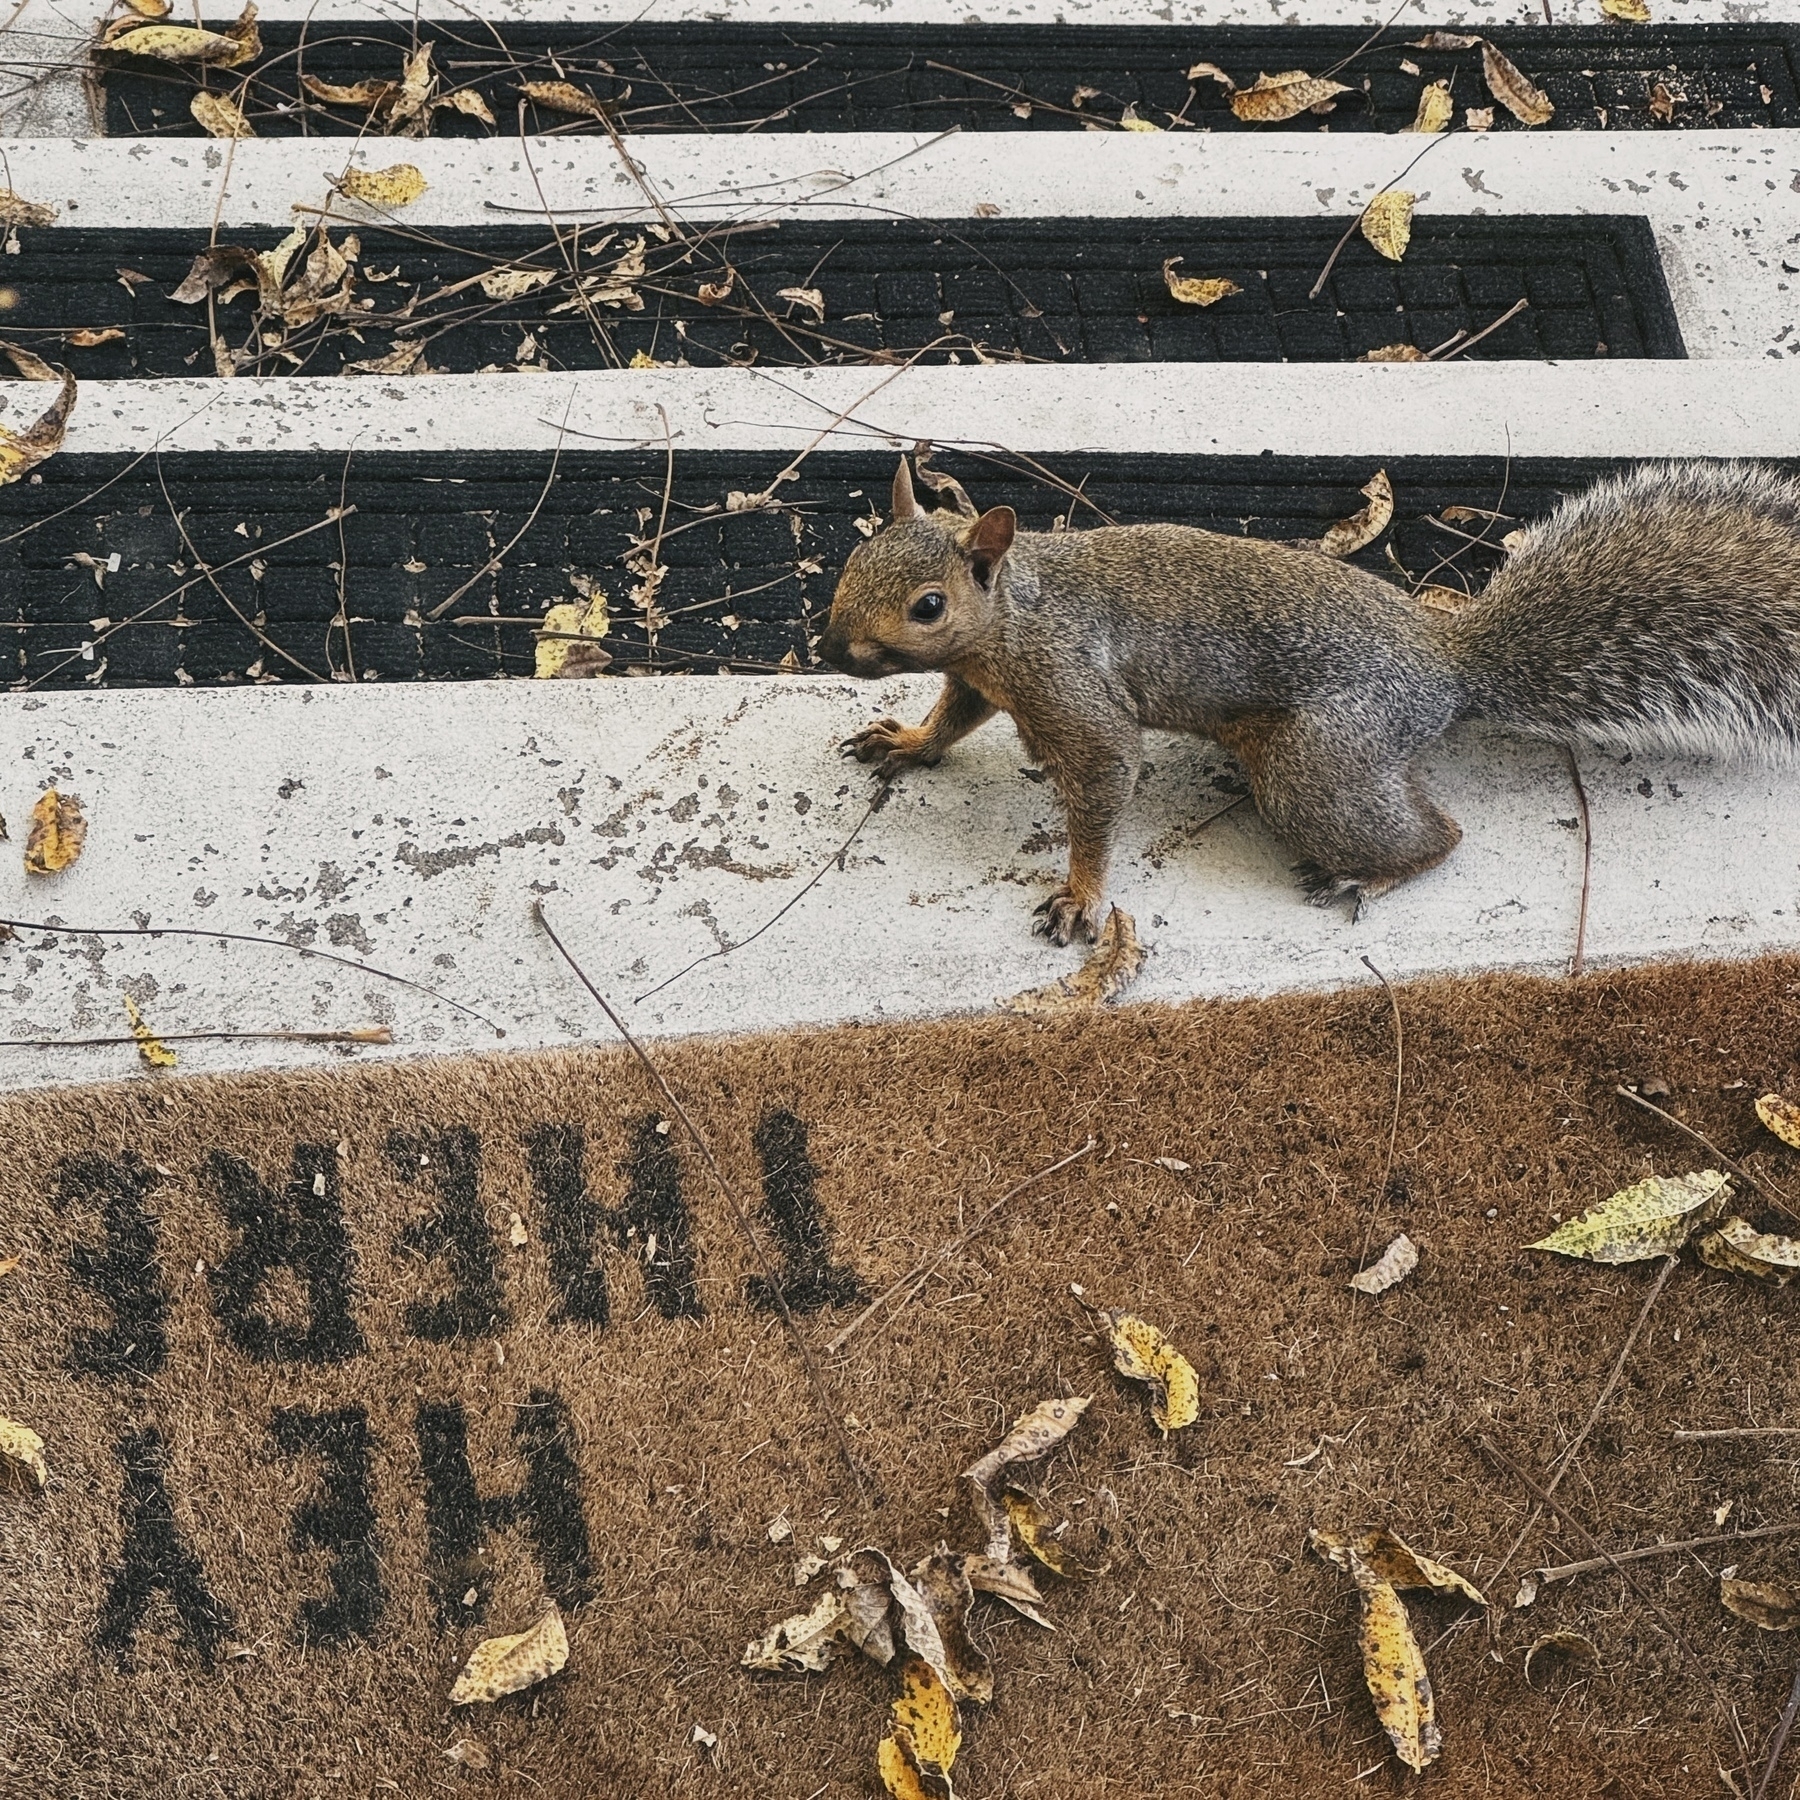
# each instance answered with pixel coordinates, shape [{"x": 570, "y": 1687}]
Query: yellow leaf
[
  {"x": 1129, "y": 120},
  {"x": 1773, "y": 1606},
  {"x": 1361, "y": 529},
  {"x": 58, "y": 831},
  {"x": 220, "y": 116},
  {"x": 1394, "y": 1668},
  {"x": 229, "y": 49},
  {"x": 1387, "y": 1557},
  {"x": 1443, "y": 40},
  {"x": 1034, "y": 1524},
  {"x": 510, "y": 284},
  {"x": 1193, "y": 290},
  {"x": 1387, "y": 222},
  {"x": 400, "y": 185},
  {"x": 20, "y": 1444},
  {"x": 1631, "y": 12},
  {"x": 151, "y": 1048},
  {"x": 916, "y": 1758},
  {"x": 1142, "y": 1353},
  {"x": 15, "y": 210},
  {"x": 1651, "y": 1218},
  {"x": 1111, "y": 967},
  {"x": 22, "y": 451},
  {"x": 362, "y": 93},
  {"x": 29, "y": 363},
  {"x": 1435, "y": 108},
  {"x": 1393, "y": 353},
  {"x": 1781, "y": 1116},
  {"x": 807, "y": 1640},
  {"x": 1739, "y": 1247},
  {"x": 467, "y": 100},
  {"x": 564, "y": 653},
  {"x": 504, "y": 1665},
  {"x": 563, "y": 97},
  {"x": 1527, "y": 102},
  {"x": 642, "y": 359},
  {"x": 1285, "y": 96},
  {"x": 149, "y": 9}
]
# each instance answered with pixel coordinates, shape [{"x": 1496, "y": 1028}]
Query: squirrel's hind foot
[
  {"x": 1324, "y": 888},
  {"x": 1063, "y": 919}
]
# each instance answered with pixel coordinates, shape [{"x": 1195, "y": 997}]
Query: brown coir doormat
[{"x": 340, "y": 1373}]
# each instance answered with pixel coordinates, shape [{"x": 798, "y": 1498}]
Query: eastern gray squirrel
[{"x": 1658, "y": 610}]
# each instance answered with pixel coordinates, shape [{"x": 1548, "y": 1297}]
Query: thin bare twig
[
  {"x": 1644, "y": 1552},
  {"x": 1578, "y": 960},
  {"x": 362, "y": 1034},
  {"x": 1781, "y": 1737},
  {"x": 244, "y": 937},
  {"x": 921, "y": 1271},
  {"x": 1736, "y": 1431},
  {"x": 835, "y": 859},
  {"x": 1350, "y": 230},
  {"x": 833, "y": 1424},
  {"x": 1458, "y": 344},
  {"x": 1767, "y": 1189}
]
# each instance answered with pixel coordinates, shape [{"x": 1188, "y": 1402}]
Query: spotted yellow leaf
[
  {"x": 806, "y": 1641},
  {"x": 218, "y": 115},
  {"x": 1129, "y": 120},
  {"x": 1781, "y": 1116},
  {"x": 21, "y": 1445},
  {"x": 1522, "y": 97},
  {"x": 1739, "y": 1247},
  {"x": 1389, "y": 1558},
  {"x": 228, "y": 49},
  {"x": 1629, "y": 12},
  {"x": 400, "y": 185},
  {"x": 563, "y": 97},
  {"x": 1394, "y": 1669},
  {"x": 58, "y": 832},
  {"x": 1195, "y": 290},
  {"x": 1387, "y": 222},
  {"x": 511, "y": 284},
  {"x": 1435, "y": 108},
  {"x": 1034, "y": 1526},
  {"x": 151, "y": 1048},
  {"x": 1362, "y": 528},
  {"x": 565, "y": 649},
  {"x": 1276, "y": 98},
  {"x": 1142, "y": 1353},
  {"x": 1654, "y": 1217},
  {"x": 361, "y": 93},
  {"x": 916, "y": 1757},
  {"x": 22, "y": 451},
  {"x": 504, "y": 1665}
]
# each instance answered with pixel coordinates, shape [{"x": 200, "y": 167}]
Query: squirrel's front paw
[
  {"x": 893, "y": 747},
  {"x": 1063, "y": 918}
]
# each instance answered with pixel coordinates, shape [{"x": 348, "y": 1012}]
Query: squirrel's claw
[{"x": 1063, "y": 919}]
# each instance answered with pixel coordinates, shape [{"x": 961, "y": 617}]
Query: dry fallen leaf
[
  {"x": 943, "y": 1584},
  {"x": 156, "y": 1054},
  {"x": 1654, "y": 1217},
  {"x": 1739, "y": 1247},
  {"x": 1394, "y": 1669},
  {"x": 1443, "y": 40},
  {"x": 1394, "y": 353},
  {"x": 361, "y": 93},
  {"x": 1285, "y": 96},
  {"x": 1397, "y": 1262},
  {"x": 1774, "y": 1606},
  {"x": 807, "y": 1640},
  {"x": 916, "y": 1757},
  {"x": 1130, "y": 121},
  {"x": 406, "y": 358},
  {"x": 1479, "y": 118},
  {"x": 1631, "y": 12},
  {"x": 470, "y": 1754},
  {"x": 1390, "y": 1558},
  {"x": 21, "y": 1445},
  {"x": 219, "y": 116},
  {"x": 9, "y": 1263},
  {"x": 58, "y": 832},
  {"x": 22, "y": 451},
  {"x": 1387, "y": 222},
  {"x": 1010, "y": 1582},
  {"x": 409, "y": 112},
  {"x": 810, "y": 298},
  {"x": 716, "y": 293},
  {"x": 1211, "y": 72},
  {"x": 468, "y": 100},
  {"x": 1111, "y": 967},
  {"x": 1142, "y": 1353},
  {"x": 1435, "y": 108},
  {"x": 29, "y": 363},
  {"x": 149, "y": 9},
  {"x": 1441, "y": 599},
  {"x": 1361, "y": 529},
  {"x": 504, "y": 1665},
  {"x": 1566, "y": 1644},
  {"x": 400, "y": 185},
  {"x": 567, "y": 657},
  {"x": 87, "y": 337},
  {"x": 1194, "y": 290},
  {"x": 238, "y": 44},
  {"x": 509, "y": 284},
  {"x": 1527, "y": 102},
  {"x": 1035, "y": 1526},
  {"x": 1032, "y": 1436},
  {"x": 15, "y": 210},
  {"x": 868, "y": 1606},
  {"x": 563, "y": 97},
  {"x": 1781, "y": 1117}
]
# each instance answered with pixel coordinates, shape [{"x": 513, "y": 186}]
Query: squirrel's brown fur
[{"x": 1659, "y": 609}]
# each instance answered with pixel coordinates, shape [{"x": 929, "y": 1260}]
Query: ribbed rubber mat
[
  {"x": 728, "y": 77},
  {"x": 742, "y": 589},
  {"x": 978, "y": 289}
]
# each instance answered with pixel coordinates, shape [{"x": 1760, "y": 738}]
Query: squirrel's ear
[
  {"x": 904, "y": 505},
  {"x": 989, "y": 539}
]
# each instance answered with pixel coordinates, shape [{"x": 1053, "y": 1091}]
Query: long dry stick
[
  {"x": 1781, "y": 1738},
  {"x": 244, "y": 937},
  {"x": 1644, "y": 1552},
  {"x": 1587, "y": 862},
  {"x": 1458, "y": 344},
  {"x": 361, "y": 1034},
  {"x": 1566, "y": 1461},
  {"x": 1736, "y": 1431},
  {"x": 1766, "y": 1188},
  {"x": 835, "y": 859},
  {"x": 833, "y": 1424},
  {"x": 921, "y": 1271}
]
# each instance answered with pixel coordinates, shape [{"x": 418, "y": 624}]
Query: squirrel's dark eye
[{"x": 929, "y": 607}]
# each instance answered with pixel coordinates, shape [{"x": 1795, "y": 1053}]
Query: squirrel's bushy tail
[{"x": 1660, "y": 609}]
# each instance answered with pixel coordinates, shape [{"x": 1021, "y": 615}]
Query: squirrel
[{"x": 1660, "y": 609}]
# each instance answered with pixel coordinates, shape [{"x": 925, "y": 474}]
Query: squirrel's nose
[{"x": 834, "y": 646}]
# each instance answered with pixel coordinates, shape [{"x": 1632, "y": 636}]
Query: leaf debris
[
  {"x": 1113, "y": 964},
  {"x": 503, "y": 1665},
  {"x": 1653, "y": 1217},
  {"x": 1397, "y": 1262},
  {"x": 1195, "y": 290},
  {"x": 58, "y": 833}
]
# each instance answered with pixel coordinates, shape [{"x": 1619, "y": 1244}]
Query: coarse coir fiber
[{"x": 341, "y": 1372}]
